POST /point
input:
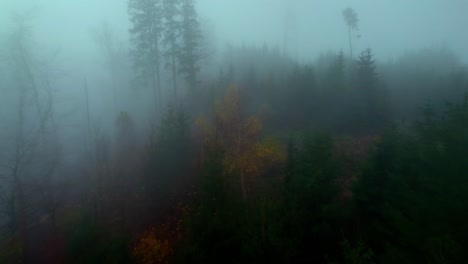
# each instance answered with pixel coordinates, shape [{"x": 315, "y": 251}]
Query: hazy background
[
  {"x": 63, "y": 35},
  {"x": 389, "y": 27},
  {"x": 82, "y": 137}
]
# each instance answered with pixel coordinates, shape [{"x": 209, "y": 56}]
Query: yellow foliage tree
[
  {"x": 150, "y": 249},
  {"x": 245, "y": 152}
]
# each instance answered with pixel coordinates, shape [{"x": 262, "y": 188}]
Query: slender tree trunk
[
  {"x": 350, "y": 43},
  {"x": 174, "y": 74},
  {"x": 156, "y": 83},
  {"x": 158, "y": 80},
  {"x": 155, "y": 89},
  {"x": 93, "y": 157},
  {"x": 114, "y": 87},
  {"x": 22, "y": 213},
  {"x": 244, "y": 192},
  {"x": 19, "y": 213},
  {"x": 12, "y": 212},
  {"x": 88, "y": 119},
  {"x": 53, "y": 220}
]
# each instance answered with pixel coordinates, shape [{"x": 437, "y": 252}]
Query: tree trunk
[
  {"x": 22, "y": 215},
  {"x": 158, "y": 79},
  {"x": 350, "y": 44},
  {"x": 244, "y": 192},
  {"x": 174, "y": 71}
]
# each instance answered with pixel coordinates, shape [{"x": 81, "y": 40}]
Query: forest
[{"x": 166, "y": 148}]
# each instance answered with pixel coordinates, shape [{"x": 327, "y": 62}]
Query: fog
[
  {"x": 390, "y": 28},
  {"x": 119, "y": 127}
]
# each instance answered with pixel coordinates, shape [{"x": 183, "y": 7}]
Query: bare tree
[
  {"x": 99, "y": 176},
  {"x": 30, "y": 98}
]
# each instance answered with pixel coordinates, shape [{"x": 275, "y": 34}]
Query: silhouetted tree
[
  {"x": 310, "y": 191},
  {"x": 146, "y": 18},
  {"x": 191, "y": 39},
  {"x": 351, "y": 21},
  {"x": 368, "y": 89},
  {"x": 410, "y": 196},
  {"x": 171, "y": 33},
  {"x": 168, "y": 155},
  {"x": 124, "y": 182},
  {"x": 29, "y": 155},
  {"x": 366, "y": 71},
  {"x": 336, "y": 72}
]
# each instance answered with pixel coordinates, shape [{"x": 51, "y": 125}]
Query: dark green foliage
[
  {"x": 372, "y": 109},
  {"x": 214, "y": 222},
  {"x": 411, "y": 198},
  {"x": 336, "y": 74},
  {"x": 11, "y": 250},
  {"x": 223, "y": 227},
  {"x": 301, "y": 96},
  {"x": 190, "y": 52},
  {"x": 310, "y": 198},
  {"x": 145, "y": 38},
  {"x": 171, "y": 33},
  {"x": 357, "y": 254},
  {"x": 366, "y": 71},
  {"x": 425, "y": 76},
  {"x": 90, "y": 243},
  {"x": 169, "y": 155}
]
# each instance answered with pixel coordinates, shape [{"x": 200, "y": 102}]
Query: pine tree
[
  {"x": 168, "y": 154},
  {"x": 146, "y": 18},
  {"x": 351, "y": 21},
  {"x": 171, "y": 33},
  {"x": 191, "y": 39},
  {"x": 367, "y": 76},
  {"x": 369, "y": 92},
  {"x": 336, "y": 73}
]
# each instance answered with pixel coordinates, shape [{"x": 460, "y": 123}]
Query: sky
[{"x": 388, "y": 27}]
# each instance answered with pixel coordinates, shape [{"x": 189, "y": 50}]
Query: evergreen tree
[
  {"x": 310, "y": 190},
  {"x": 367, "y": 83},
  {"x": 191, "y": 40},
  {"x": 366, "y": 71},
  {"x": 336, "y": 72},
  {"x": 172, "y": 25},
  {"x": 123, "y": 183},
  {"x": 168, "y": 154},
  {"x": 146, "y": 18},
  {"x": 411, "y": 196}
]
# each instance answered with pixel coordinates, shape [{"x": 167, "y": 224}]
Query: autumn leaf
[{"x": 245, "y": 153}]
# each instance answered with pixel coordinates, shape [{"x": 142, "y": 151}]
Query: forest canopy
[{"x": 159, "y": 139}]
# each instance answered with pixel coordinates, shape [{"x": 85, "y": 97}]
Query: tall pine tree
[
  {"x": 191, "y": 40},
  {"x": 371, "y": 94},
  {"x": 146, "y": 18},
  {"x": 171, "y": 33}
]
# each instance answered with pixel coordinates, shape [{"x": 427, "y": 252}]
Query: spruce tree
[
  {"x": 146, "y": 30},
  {"x": 171, "y": 33},
  {"x": 370, "y": 91},
  {"x": 191, "y": 39}
]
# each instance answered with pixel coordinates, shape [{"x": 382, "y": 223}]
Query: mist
[{"x": 160, "y": 131}]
